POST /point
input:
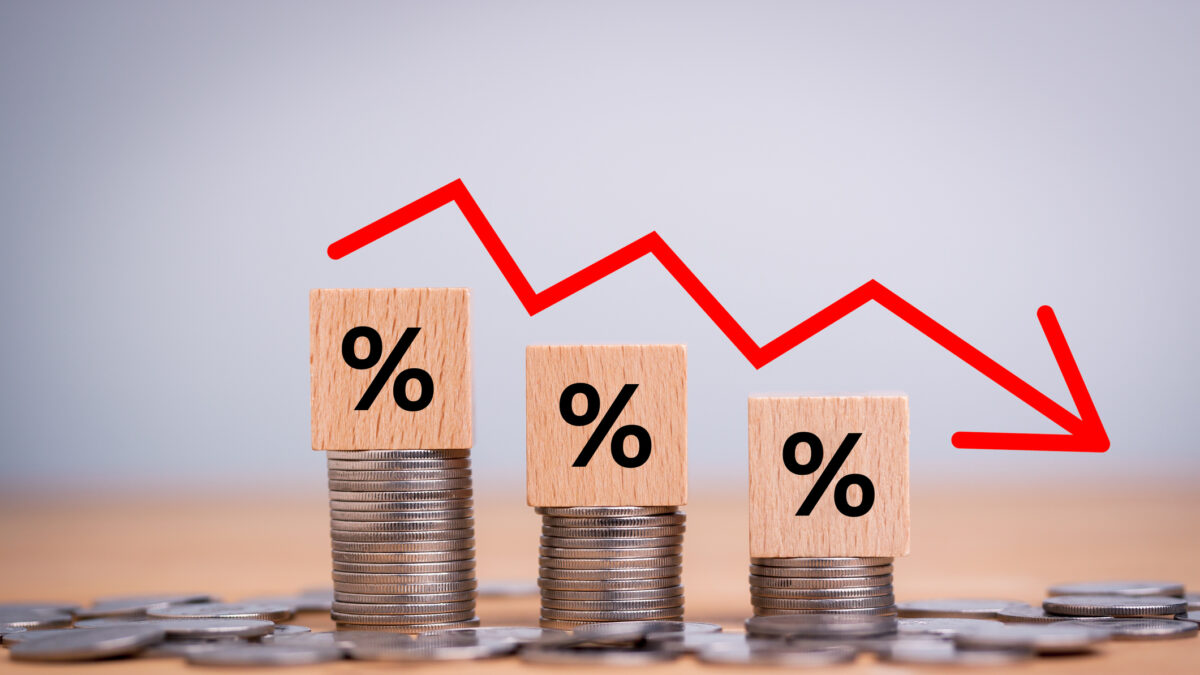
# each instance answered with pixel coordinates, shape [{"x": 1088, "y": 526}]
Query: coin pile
[
  {"x": 610, "y": 563},
  {"x": 403, "y": 539},
  {"x": 821, "y": 586}
]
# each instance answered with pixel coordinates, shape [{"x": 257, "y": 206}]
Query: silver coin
[
  {"x": 401, "y": 526},
  {"x": 271, "y": 654},
  {"x": 613, "y": 532},
  {"x": 463, "y": 494},
  {"x": 934, "y": 652},
  {"x": 413, "y": 629},
  {"x": 645, "y": 628},
  {"x": 820, "y": 594},
  {"x": 775, "y": 655},
  {"x": 18, "y": 618},
  {"x": 399, "y": 516},
  {"x": 27, "y": 634},
  {"x": 945, "y": 627},
  {"x": 298, "y": 603},
  {"x": 604, "y": 511},
  {"x": 182, "y": 648},
  {"x": 88, "y": 644},
  {"x": 821, "y": 572},
  {"x": 613, "y": 605},
  {"x": 609, "y": 564},
  {"x": 339, "y": 536},
  {"x": 343, "y": 639},
  {"x": 405, "y": 598},
  {"x": 602, "y": 575},
  {"x": 889, "y": 610},
  {"x": 12, "y": 630},
  {"x": 403, "y": 619},
  {"x": 629, "y": 521},
  {"x": 605, "y": 615},
  {"x": 396, "y": 455},
  {"x": 564, "y": 656},
  {"x": 1132, "y": 588},
  {"x": 648, "y": 594},
  {"x": 406, "y": 475},
  {"x": 398, "y": 465},
  {"x": 614, "y": 553},
  {"x": 1028, "y": 614},
  {"x": 694, "y": 642},
  {"x": 611, "y": 542},
  {"x": 432, "y": 652},
  {"x": 406, "y": 608},
  {"x": 285, "y": 631},
  {"x": 138, "y": 605},
  {"x": 399, "y": 486},
  {"x": 401, "y": 506},
  {"x": 403, "y": 558},
  {"x": 1059, "y": 638},
  {"x": 950, "y": 608},
  {"x": 223, "y": 610},
  {"x": 427, "y": 578},
  {"x": 1143, "y": 629},
  {"x": 805, "y": 603},
  {"x": 759, "y": 584},
  {"x": 403, "y": 546},
  {"x": 1193, "y": 616},
  {"x": 191, "y": 628},
  {"x": 1114, "y": 605},
  {"x": 607, "y": 585},
  {"x": 405, "y": 568},
  {"x": 1193, "y": 600},
  {"x": 39, "y": 607},
  {"x": 821, "y": 562},
  {"x": 821, "y": 626},
  {"x": 405, "y": 589}
]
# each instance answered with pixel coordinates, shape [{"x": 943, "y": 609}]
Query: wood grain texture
[
  {"x": 443, "y": 348},
  {"x": 881, "y": 454},
  {"x": 659, "y": 404}
]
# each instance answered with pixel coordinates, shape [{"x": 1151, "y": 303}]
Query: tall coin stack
[
  {"x": 821, "y": 586},
  {"x": 403, "y": 539},
  {"x": 610, "y": 563}
]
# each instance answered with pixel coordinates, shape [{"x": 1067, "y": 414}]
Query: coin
[
  {"x": 962, "y": 608},
  {"x": 808, "y": 603},
  {"x": 436, "y": 546},
  {"x": 403, "y": 589},
  {"x": 1144, "y": 629},
  {"x": 341, "y": 536},
  {"x": 399, "y": 516},
  {"x": 1193, "y": 616},
  {"x": 1193, "y": 600},
  {"x": 945, "y": 626},
  {"x": 613, "y": 532},
  {"x": 1114, "y": 605},
  {"x": 398, "y": 475},
  {"x": 88, "y": 644},
  {"x": 757, "y": 582},
  {"x": 607, "y": 585},
  {"x": 889, "y": 610},
  {"x": 398, "y": 464},
  {"x": 609, "y": 563},
  {"x": 605, "y": 615},
  {"x": 407, "y": 557},
  {"x": 404, "y": 608},
  {"x": 648, "y": 594},
  {"x": 223, "y": 610},
  {"x": 404, "y": 597},
  {"x": 615, "y": 574},
  {"x": 403, "y": 619},
  {"x": 595, "y": 553},
  {"x": 284, "y": 631},
  {"x": 395, "y": 455},
  {"x": 1058, "y": 638},
  {"x": 614, "y": 605},
  {"x": 616, "y": 521},
  {"x": 644, "y": 628},
  {"x": 1131, "y": 588},
  {"x": 514, "y": 634},
  {"x": 399, "y": 496},
  {"x": 611, "y": 542},
  {"x": 821, "y": 594},
  {"x": 405, "y": 568},
  {"x": 401, "y": 506},
  {"x": 599, "y": 656},
  {"x": 33, "y": 619},
  {"x": 25, "y": 635},
  {"x": 821, "y": 572},
  {"x": 39, "y": 607},
  {"x": 271, "y": 654},
  {"x": 433, "y": 652},
  {"x": 821, "y": 562},
  {"x": 604, "y": 511},
  {"x": 1027, "y": 614},
  {"x": 12, "y": 630},
  {"x": 191, "y": 628},
  {"x": 401, "y": 526},
  {"x": 415, "y": 628},
  {"x": 932, "y": 653},
  {"x": 824, "y": 626},
  {"x": 138, "y": 605},
  {"x": 399, "y": 486},
  {"x": 774, "y": 655}
]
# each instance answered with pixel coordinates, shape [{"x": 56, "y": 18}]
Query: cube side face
[
  {"x": 659, "y": 404},
  {"x": 441, "y": 347},
  {"x": 776, "y": 493}
]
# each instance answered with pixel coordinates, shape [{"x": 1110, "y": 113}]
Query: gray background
[{"x": 172, "y": 174}]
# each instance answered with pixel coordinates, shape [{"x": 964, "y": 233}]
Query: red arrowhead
[{"x": 1085, "y": 433}]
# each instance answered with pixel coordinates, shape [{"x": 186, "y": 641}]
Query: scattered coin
[
  {"x": 1193, "y": 600},
  {"x": 271, "y": 654},
  {"x": 1056, "y": 638},
  {"x": 514, "y": 634},
  {"x": 963, "y": 608},
  {"x": 88, "y": 644},
  {"x": 753, "y": 654},
  {"x": 39, "y": 607},
  {"x": 1145, "y": 629},
  {"x": 945, "y": 653},
  {"x": 1114, "y": 605},
  {"x": 1193, "y": 616},
  {"x": 947, "y": 627},
  {"x": 1132, "y": 588},
  {"x": 604, "y": 656},
  {"x": 33, "y": 619},
  {"x": 1028, "y": 614},
  {"x": 192, "y": 628},
  {"x": 223, "y": 610},
  {"x": 418, "y": 651},
  {"x": 821, "y": 626}
]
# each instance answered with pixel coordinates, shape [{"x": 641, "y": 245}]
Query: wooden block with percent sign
[
  {"x": 606, "y": 425},
  {"x": 829, "y": 476},
  {"x": 391, "y": 368}
]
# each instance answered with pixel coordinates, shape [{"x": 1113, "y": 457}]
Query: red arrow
[{"x": 1085, "y": 433}]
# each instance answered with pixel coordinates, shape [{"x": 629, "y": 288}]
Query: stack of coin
[
  {"x": 821, "y": 586},
  {"x": 403, "y": 539},
  {"x": 610, "y": 563}
]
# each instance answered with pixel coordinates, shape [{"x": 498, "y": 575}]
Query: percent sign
[
  {"x": 591, "y": 411},
  {"x": 842, "y": 489},
  {"x": 374, "y": 353}
]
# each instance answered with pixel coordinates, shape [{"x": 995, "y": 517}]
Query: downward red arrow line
[{"x": 1085, "y": 433}]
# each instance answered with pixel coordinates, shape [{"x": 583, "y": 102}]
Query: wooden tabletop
[{"x": 993, "y": 542}]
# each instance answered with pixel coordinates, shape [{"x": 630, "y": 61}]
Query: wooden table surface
[{"x": 990, "y": 542}]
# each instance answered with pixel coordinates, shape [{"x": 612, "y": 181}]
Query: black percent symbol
[
  {"x": 374, "y": 353},
  {"x": 842, "y": 489},
  {"x": 591, "y": 411}
]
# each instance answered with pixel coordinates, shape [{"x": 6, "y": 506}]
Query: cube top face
[
  {"x": 606, "y": 425},
  {"x": 860, "y": 508},
  {"x": 390, "y": 368}
]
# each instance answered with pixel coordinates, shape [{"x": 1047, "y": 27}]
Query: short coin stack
[
  {"x": 610, "y": 563},
  {"x": 403, "y": 539},
  {"x": 821, "y": 586}
]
